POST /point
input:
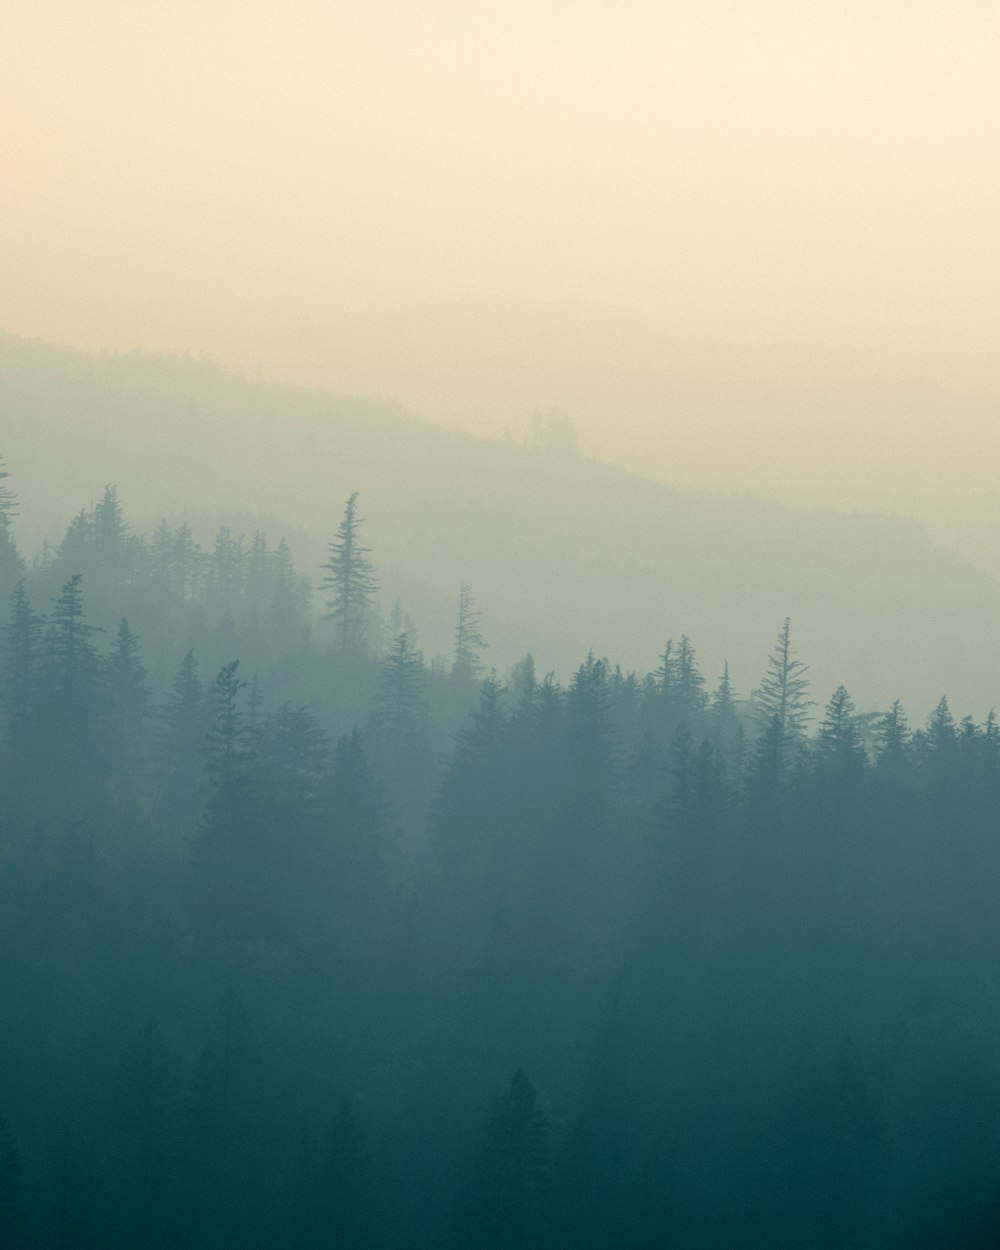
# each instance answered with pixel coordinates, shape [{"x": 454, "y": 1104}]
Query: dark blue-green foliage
[{"x": 306, "y": 942}]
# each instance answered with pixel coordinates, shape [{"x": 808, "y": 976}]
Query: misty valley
[{"x": 310, "y": 940}]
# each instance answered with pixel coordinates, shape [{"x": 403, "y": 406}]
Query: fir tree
[
  {"x": 399, "y": 701},
  {"x": 227, "y": 737},
  {"x": 784, "y": 693},
  {"x": 894, "y": 737},
  {"x": 351, "y": 583},
  {"x": 125, "y": 678},
  {"x": 837, "y": 744},
  {"x": 8, "y": 501},
  {"x": 466, "y": 663},
  {"x": 689, "y": 687},
  {"x": 11, "y": 564},
  {"x": 21, "y": 668}
]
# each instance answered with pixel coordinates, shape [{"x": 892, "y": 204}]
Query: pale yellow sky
[{"x": 722, "y": 235}]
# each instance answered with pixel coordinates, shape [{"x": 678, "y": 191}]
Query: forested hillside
[
  {"x": 306, "y": 941},
  {"x": 566, "y": 554}
]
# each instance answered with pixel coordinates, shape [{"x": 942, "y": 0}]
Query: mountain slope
[{"x": 563, "y": 554}]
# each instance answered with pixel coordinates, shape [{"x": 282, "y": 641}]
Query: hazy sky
[{"x": 730, "y": 238}]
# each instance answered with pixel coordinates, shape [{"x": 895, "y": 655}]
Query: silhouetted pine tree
[
  {"x": 72, "y": 711},
  {"x": 11, "y": 564},
  {"x": 784, "y": 693},
  {"x": 127, "y": 689},
  {"x": 351, "y": 583},
  {"x": 184, "y": 724},
  {"x": 20, "y": 683},
  {"x": 467, "y": 665}
]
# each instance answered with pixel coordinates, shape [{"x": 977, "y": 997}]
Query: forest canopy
[{"x": 308, "y": 940}]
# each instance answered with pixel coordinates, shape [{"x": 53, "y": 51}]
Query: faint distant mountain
[
  {"x": 563, "y": 554},
  {"x": 797, "y": 420}
]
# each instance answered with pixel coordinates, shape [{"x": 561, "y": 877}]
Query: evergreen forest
[{"x": 310, "y": 941}]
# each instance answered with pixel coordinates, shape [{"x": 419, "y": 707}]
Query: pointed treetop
[
  {"x": 8, "y": 500},
  {"x": 784, "y": 691},
  {"x": 351, "y": 583}
]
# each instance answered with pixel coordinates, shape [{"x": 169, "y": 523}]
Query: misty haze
[{"x": 499, "y": 616}]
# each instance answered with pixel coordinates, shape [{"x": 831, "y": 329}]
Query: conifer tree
[
  {"x": 466, "y": 662},
  {"x": 351, "y": 583},
  {"x": 689, "y": 687},
  {"x": 784, "y": 693},
  {"x": 767, "y": 771},
  {"x": 838, "y": 745},
  {"x": 21, "y": 668},
  {"x": 125, "y": 678},
  {"x": 725, "y": 729},
  {"x": 399, "y": 701},
  {"x": 226, "y": 573},
  {"x": 75, "y": 552},
  {"x": 289, "y": 597},
  {"x": 894, "y": 737},
  {"x": 185, "y": 715},
  {"x": 11, "y": 564},
  {"x": 363, "y": 830},
  {"x": 110, "y": 534},
  {"x": 666, "y": 674},
  {"x": 941, "y": 734},
  {"x": 228, "y": 735},
  {"x": 188, "y": 562},
  {"x": 8, "y": 501},
  {"x": 489, "y": 718},
  {"x": 589, "y": 722},
  {"x": 71, "y": 710},
  {"x": 184, "y": 723},
  {"x": 292, "y": 760},
  {"x": 72, "y": 658}
]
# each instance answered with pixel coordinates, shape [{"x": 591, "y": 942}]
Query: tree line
[{"x": 312, "y": 943}]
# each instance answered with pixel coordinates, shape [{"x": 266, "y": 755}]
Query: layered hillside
[{"x": 563, "y": 554}]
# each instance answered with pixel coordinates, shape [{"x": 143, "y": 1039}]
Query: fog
[
  {"x": 499, "y": 582},
  {"x": 747, "y": 250}
]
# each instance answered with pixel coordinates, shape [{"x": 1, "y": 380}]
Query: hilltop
[{"x": 564, "y": 554}]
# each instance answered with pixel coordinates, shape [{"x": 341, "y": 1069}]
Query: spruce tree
[
  {"x": 8, "y": 501},
  {"x": 350, "y": 583},
  {"x": 466, "y": 663},
  {"x": 72, "y": 721},
  {"x": 399, "y": 701},
  {"x": 11, "y": 564},
  {"x": 894, "y": 737},
  {"x": 227, "y": 737},
  {"x": 125, "y": 679},
  {"x": 784, "y": 693},
  {"x": 21, "y": 675},
  {"x": 689, "y": 687},
  {"x": 838, "y": 746}
]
